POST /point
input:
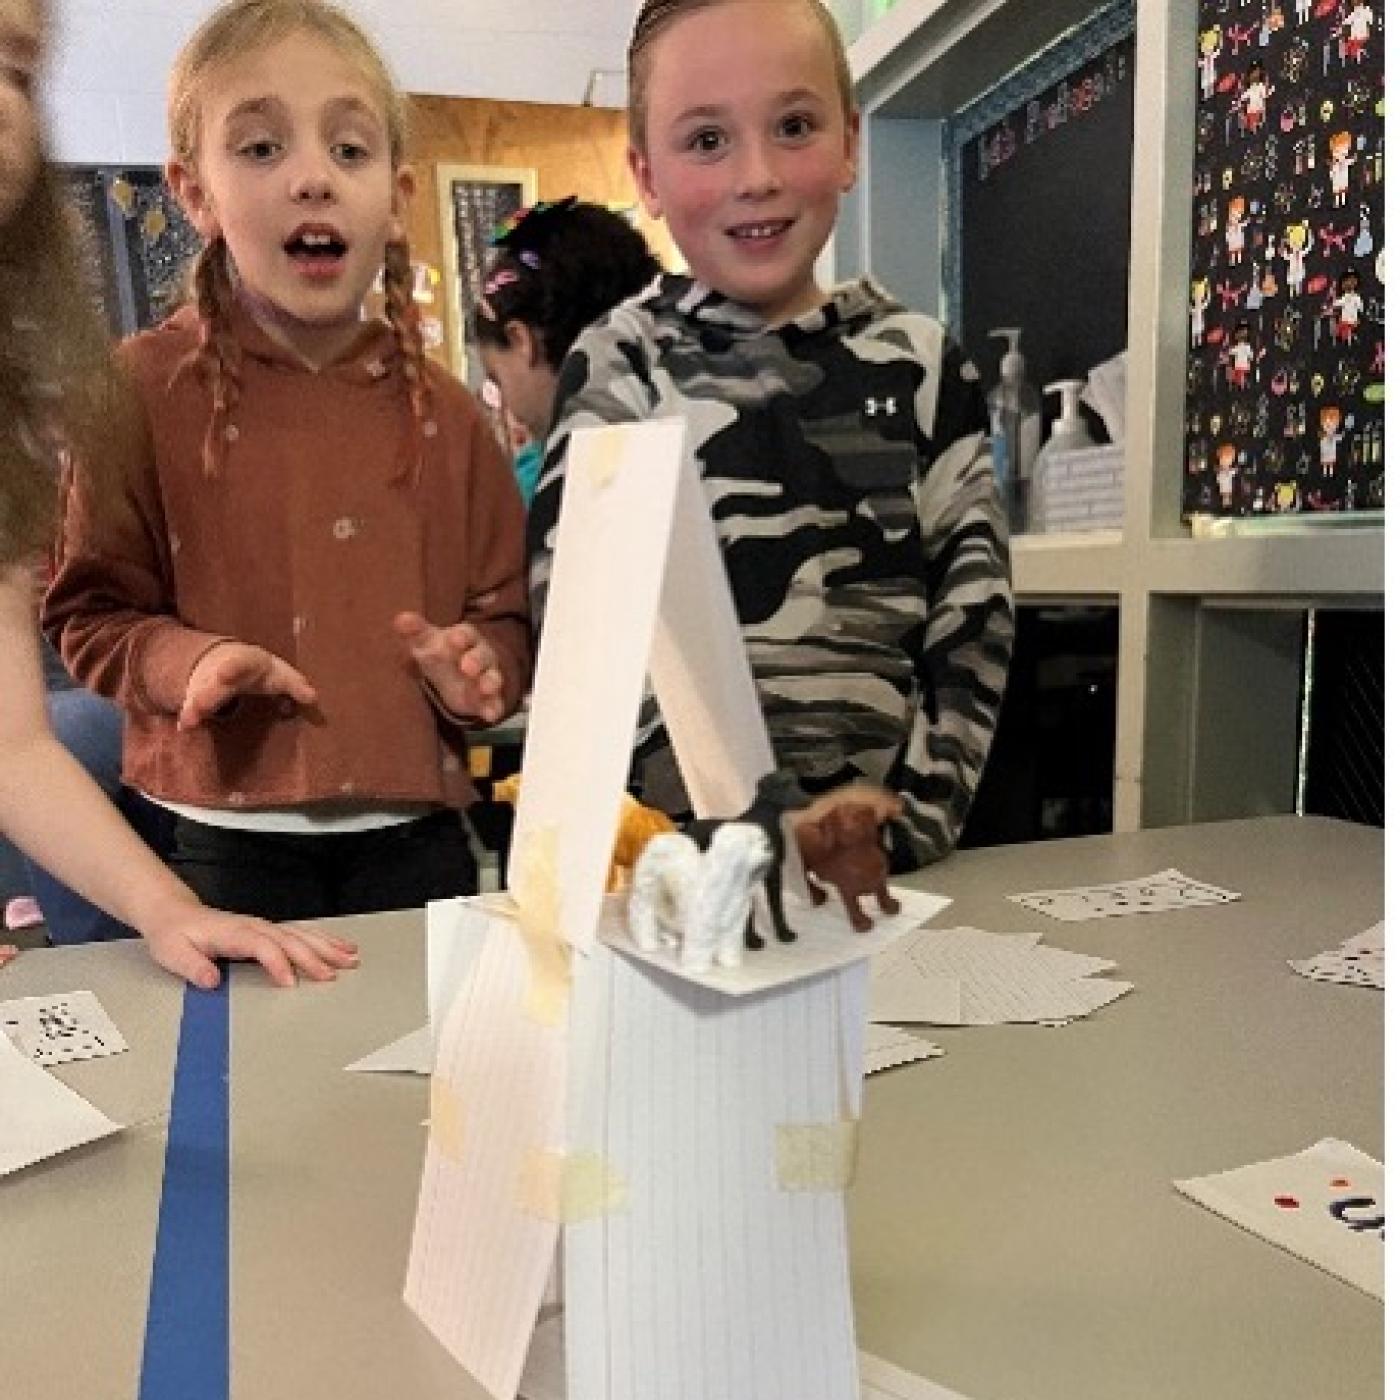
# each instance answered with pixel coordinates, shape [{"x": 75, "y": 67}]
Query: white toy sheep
[{"x": 701, "y": 901}]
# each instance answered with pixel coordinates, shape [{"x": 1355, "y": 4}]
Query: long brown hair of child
[
  {"x": 656, "y": 16},
  {"x": 58, "y": 387},
  {"x": 234, "y": 30}
]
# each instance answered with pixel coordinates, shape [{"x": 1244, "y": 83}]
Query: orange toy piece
[{"x": 636, "y": 825}]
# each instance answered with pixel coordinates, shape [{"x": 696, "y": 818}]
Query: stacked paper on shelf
[
  {"x": 1079, "y": 490},
  {"x": 968, "y": 977}
]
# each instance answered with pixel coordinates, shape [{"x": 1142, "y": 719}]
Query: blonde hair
[
  {"x": 657, "y": 16},
  {"x": 235, "y": 29}
]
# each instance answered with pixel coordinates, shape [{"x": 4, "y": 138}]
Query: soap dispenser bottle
[
  {"x": 1014, "y": 407},
  {"x": 1068, "y": 433}
]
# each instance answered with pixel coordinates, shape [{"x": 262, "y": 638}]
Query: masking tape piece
[
  {"x": 604, "y": 456},
  {"x": 538, "y": 905},
  {"x": 447, "y": 1129},
  {"x": 816, "y": 1156},
  {"x": 569, "y": 1187}
]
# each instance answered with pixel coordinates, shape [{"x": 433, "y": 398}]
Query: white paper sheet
[
  {"x": 1326, "y": 1204},
  {"x": 1358, "y": 962},
  {"x": 621, "y": 485},
  {"x": 825, "y": 940},
  {"x": 61, "y": 1028},
  {"x": 699, "y": 668},
  {"x": 1152, "y": 894},
  {"x": 39, "y": 1115},
  {"x": 969, "y": 977},
  {"x": 881, "y": 1380},
  {"x": 711, "y": 1279},
  {"x": 479, "y": 1261},
  {"x": 409, "y": 1054},
  {"x": 888, "y": 1048}
]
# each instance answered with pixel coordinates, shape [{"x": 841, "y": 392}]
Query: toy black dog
[{"x": 776, "y": 793}]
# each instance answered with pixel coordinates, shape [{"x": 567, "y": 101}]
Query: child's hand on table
[{"x": 185, "y": 938}]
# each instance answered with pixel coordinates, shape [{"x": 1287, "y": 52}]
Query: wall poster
[
  {"x": 473, "y": 200},
  {"x": 1285, "y": 377}
]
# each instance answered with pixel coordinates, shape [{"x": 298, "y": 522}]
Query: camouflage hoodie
[{"x": 845, "y": 460}]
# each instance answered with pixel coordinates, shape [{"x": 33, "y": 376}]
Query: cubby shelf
[{"x": 1210, "y": 650}]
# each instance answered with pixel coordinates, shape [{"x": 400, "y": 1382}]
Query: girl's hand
[
  {"x": 185, "y": 941},
  {"x": 230, "y": 669},
  {"x": 7, "y": 952},
  {"x": 458, "y": 663}
]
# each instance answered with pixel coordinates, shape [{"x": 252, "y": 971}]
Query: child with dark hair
[{"x": 562, "y": 265}]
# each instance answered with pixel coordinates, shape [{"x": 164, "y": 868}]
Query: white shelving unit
[{"x": 1210, "y": 646}]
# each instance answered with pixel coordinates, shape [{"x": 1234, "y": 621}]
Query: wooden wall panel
[{"x": 573, "y": 150}]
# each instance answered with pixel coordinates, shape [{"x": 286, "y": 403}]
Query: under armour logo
[{"x": 875, "y": 407}]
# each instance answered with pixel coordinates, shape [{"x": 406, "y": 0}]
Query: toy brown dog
[{"x": 841, "y": 845}]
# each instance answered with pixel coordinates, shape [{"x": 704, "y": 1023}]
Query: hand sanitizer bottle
[
  {"x": 1068, "y": 433},
  {"x": 1014, "y": 407}
]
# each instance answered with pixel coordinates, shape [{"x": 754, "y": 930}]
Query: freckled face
[{"x": 747, "y": 149}]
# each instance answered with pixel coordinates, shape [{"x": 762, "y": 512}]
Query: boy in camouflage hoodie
[{"x": 840, "y": 437}]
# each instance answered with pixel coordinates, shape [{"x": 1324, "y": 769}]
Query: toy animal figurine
[
  {"x": 775, "y": 794},
  {"x": 701, "y": 900},
  {"x": 636, "y": 825},
  {"x": 839, "y": 838}
]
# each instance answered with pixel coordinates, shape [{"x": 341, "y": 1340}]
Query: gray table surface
[{"x": 1015, "y": 1234}]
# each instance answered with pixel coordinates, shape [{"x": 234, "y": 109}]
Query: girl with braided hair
[
  {"x": 562, "y": 265},
  {"x": 56, "y": 389},
  {"x": 312, "y": 581}
]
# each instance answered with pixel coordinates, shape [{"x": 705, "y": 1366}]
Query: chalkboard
[{"x": 1041, "y": 171}]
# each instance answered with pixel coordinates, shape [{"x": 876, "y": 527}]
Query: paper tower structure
[{"x": 663, "y": 1156}]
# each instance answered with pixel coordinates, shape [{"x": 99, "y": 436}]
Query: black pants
[{"x": 281, "y": 877}]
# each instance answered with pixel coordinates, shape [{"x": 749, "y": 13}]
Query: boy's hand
[
  {"x": 186, "y": 939},
  {"x": 458, "y": 663},
  {"x": 230, "y": 669}
]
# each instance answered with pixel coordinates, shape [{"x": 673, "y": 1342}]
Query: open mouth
[{"x": 316, "y": 247}]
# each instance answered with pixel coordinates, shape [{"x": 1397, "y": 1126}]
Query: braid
[
  {"x": 402, "y": 314},
  {"x": 218, "y": 357}
]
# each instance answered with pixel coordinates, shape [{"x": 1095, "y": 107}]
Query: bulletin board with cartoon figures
[
  {"x": 136, "y": 242},
  {"x": 1285, "y": 377}
]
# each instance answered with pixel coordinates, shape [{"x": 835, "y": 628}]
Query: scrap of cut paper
[
  {"x": 1151, "y": 894},
  {"x": 1325, "y": 1204},
  {"x": 969, "y": 977},
  {"x": 42, "y": 1116},
  {"x": 1358, "y": 962}
]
